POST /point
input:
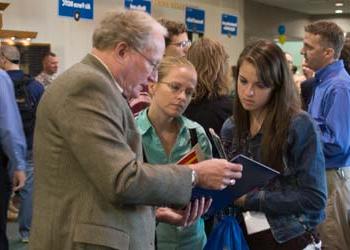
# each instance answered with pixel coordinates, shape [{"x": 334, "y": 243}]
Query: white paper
[{"x": 255, "y": 222}]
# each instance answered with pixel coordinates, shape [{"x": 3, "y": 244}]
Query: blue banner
[
  {"x": 144, "y": 5},
  {"x": 229, "y": 25},
  {"x": 76, "y": 8},
  {"x": 195, "y": 20}
]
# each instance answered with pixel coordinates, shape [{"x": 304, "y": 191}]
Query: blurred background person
[
  {"x": 167, "y": 137},
  {"x": 345, "y": 56},
  {"x": 50, "y": 67},
  {"x": 211, "y": 103},
  {"x": 28, "y": 93},
  {"x": 307, "y": 85},
  {"x": 177, "y": 42},
  {"x": 12, "y": 151}
]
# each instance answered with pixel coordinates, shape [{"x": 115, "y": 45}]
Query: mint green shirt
[{"x": 170, "y": 237}]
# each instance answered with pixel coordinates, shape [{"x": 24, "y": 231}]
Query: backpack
[{"x": 26, "y": 103}]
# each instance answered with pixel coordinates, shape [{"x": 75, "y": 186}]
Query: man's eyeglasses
[
  {"x": 154, "y": 65},
  {"x": 182, "y": 44},
  {"x": 177, "y": 89}
]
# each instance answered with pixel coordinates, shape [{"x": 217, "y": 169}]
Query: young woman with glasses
[{"x": 167, "y": 138}]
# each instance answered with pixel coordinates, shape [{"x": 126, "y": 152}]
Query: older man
[
  {"x": 323, "y": 42},
  {"x": 92, "y": 189}
]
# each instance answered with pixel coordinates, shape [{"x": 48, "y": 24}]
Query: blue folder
[{"x": 254, "y": 175}]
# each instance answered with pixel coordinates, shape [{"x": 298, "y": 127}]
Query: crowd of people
[{"x": 104, "y": 142}]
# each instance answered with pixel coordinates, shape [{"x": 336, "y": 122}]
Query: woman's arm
[{"x": 303, "y": 185}]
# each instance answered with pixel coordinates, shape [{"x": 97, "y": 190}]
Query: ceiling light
[
  {"x": 338, "y": 11},
  {"x": 339, "y": 4},
  {"x": 13, "y": 38}
]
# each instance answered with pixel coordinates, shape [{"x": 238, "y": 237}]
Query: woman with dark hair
[
  {"x": 269, "y": 126},
  {"x": 211, "y": 103}
]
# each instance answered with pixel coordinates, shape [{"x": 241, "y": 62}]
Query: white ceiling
[{"x": 311, "y": 7}]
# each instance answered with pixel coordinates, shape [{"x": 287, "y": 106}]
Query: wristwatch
[{"x": 194, "y": 178}]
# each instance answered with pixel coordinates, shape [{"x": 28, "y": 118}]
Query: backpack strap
[
  {"x": 144, "y": 155},
  {"x": 194, "y": 137}
]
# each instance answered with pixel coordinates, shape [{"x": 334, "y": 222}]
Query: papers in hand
[
  {"x": 255, "y": 222},
  {"x": 254, "y": 175},
  {"x": 218, "y": 144},
  {"x": 194, "y": 156}
]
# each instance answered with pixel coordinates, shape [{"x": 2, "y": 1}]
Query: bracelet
[{"x": 194, "y": 178}]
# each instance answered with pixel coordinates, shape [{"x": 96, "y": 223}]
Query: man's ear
[
  {"x": 330, "y": 53},
  {"x": 122, "y": 51}
]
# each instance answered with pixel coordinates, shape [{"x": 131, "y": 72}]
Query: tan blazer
[{"x": 92, "y": 190}]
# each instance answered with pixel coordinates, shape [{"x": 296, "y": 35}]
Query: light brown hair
[
  {"x": 211, "y": 62},
  {"x": 174, "y": 29},
  {"x": 170, "y": 62}
]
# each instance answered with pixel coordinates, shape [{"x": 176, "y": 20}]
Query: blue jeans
[{"x": 26, "y": 198}]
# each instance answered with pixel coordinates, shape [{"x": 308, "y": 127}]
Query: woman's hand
[{"x": 184, "y": 217}]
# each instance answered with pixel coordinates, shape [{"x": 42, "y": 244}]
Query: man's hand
[
  {"x": 19, "y": 179},
  {"x": 184, "y": 217},
  {"x": 216, "y": 173}
]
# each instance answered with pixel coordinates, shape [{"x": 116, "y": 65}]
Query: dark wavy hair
[{"x": 272, "y": 69}]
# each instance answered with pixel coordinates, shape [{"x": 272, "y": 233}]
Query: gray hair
[
  {"x": 11, "y": 53},
  {"x": 132, "y": 27}
]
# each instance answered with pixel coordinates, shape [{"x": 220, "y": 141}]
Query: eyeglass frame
[
  {"x": 177, "y": 91},
  {"x": 154, "y": 65},
  {"x": 182, "y": 44}
]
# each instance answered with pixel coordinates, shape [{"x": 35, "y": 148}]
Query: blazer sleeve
[{"x": 99, "y": 129}]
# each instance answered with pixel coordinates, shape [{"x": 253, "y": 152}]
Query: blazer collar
[{"x": 95, "y": 62}]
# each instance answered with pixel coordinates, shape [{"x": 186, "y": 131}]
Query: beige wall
[
  {"x": 71, "y": 40},
  {"x": 343, "y": 21},
  {"x": 263, "y": 21}
]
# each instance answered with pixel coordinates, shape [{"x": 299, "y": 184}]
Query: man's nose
[{"x": 153, "y": 77}]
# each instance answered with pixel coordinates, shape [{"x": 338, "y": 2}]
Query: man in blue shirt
[
  {"x": 323, "y": 42},
  {"x": 10, "y": 61},
  {"x": 13, "y": 148}
]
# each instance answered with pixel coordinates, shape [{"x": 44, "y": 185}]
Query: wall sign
[
  {"x": 144, "y": 5},
  {"x": 195, "y": 20},
  {"x": 229, "y": 25},
  {"x": 76, "y": 8}
]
